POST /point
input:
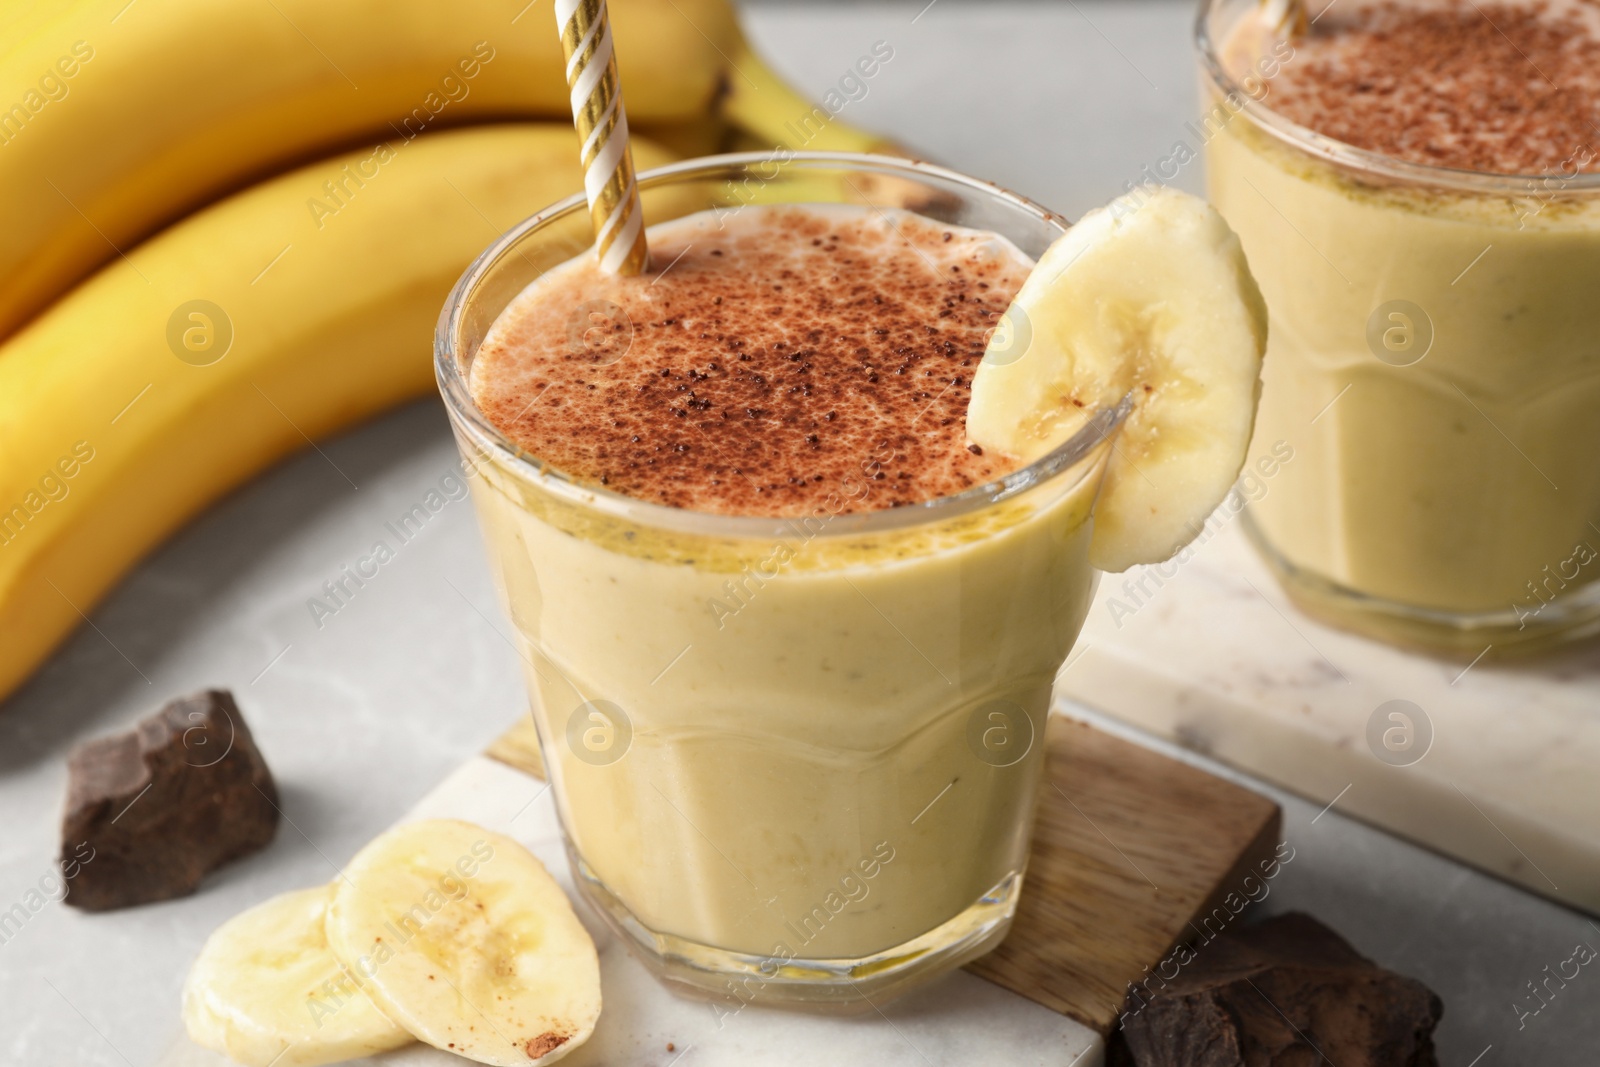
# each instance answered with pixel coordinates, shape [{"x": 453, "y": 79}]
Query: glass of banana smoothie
[
  {"x": 1415, "y": 183},
  {"x": 789, "y": 638}
]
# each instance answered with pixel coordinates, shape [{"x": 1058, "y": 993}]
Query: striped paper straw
[
  {"x": 1287, "y": 17},
  {"x": 608, "y": 178}
]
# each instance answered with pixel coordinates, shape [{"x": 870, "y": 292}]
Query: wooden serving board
[{"x": 1131, "y": 852}]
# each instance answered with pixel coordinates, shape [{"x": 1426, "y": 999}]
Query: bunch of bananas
[{"x": 295, "y": 307}]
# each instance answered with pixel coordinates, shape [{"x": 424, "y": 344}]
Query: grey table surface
[{"x": 360, "y": 715}]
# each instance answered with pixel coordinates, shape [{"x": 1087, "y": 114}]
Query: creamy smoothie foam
[
  {"x": 802, "y": 744},
  {"x": 780, "y": 351},
  {"x": 1435, "y": 350}
]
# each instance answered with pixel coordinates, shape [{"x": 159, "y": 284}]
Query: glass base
[
  {"x": 835, "y": 986},
  {"x": 1553, "y": 625}
]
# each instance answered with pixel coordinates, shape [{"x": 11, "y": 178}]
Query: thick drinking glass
[
  {"x": 795, "y": 759},
  {"x": 1434, "y": 363}
]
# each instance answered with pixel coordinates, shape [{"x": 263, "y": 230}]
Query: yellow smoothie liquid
[
  {"x": 1435, "y": 348},
  {"x": 785, "y": 715}
]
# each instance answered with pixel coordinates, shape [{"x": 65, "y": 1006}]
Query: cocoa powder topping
[
  {"x": 1506, "y": 88},
  {"x": 774, "y": 361}
]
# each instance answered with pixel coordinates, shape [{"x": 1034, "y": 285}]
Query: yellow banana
[
  {"x": 705, "y": 135},
  {"x": 118, "y": 117},
  {"x": 769, "y": 112},
  {"x": 279, "y": 315}
]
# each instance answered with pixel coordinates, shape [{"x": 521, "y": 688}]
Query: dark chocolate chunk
[
  {"x": 1286, "y": 991},
  {"x": 157, "y": 807}
]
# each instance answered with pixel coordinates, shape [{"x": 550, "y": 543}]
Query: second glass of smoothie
[
  {"x": 1431, "y": 258},
  {"x": 790, "y": 640}
]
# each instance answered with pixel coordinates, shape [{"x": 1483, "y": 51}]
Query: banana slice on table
[
  {"x": 1148, "y": 297},
  {"x": 266, "y": 989},
  {"x": 461, "y": 936}
]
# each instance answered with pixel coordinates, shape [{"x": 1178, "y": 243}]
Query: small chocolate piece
[
  {"x": 182, "y": 793},
  {"x": 1286, "y": 991}
]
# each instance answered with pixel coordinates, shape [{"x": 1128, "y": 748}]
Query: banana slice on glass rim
[
  {"x": 266, "y": 989},
  {"x": 462, "y": 937},
  {"x": 1147, "y": 298}
]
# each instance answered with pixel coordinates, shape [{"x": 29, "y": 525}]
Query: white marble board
[
  {"x": 1211, "y": 654},
  {"x": 959, "y": 1019}
]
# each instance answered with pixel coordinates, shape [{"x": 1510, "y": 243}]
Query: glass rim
[
  {"x": 1348, "y": 156},
  {"x": 465, "y": 416}
]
